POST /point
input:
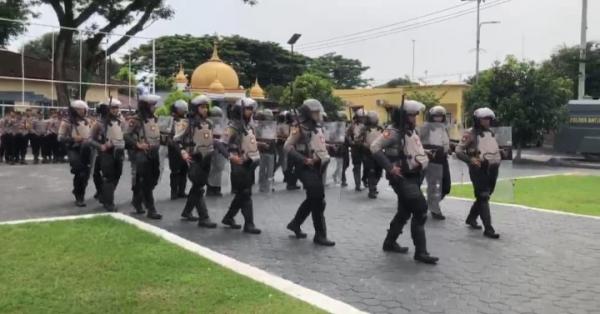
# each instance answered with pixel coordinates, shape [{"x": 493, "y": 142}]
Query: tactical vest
[
  {"x": 81, "y": 129},
  {"x": 114, "y": 134},
  {"x": 414, "y": 152},
  {"x": 203, "y": 139},
  {"x": 151, "y": 132},
  {"x": 357, "y": 133},
  {"x": 372, "y": 135},
  {"x": 249, "y": 146},
  {"x": 283, "y": 130},
  {"x": 437, "y": 137},
  {"x": 488, "y": 149}
]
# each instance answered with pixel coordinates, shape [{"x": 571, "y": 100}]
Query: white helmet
[
  {"x": 150, "y": 99},
  {"x": 360, "y": 113},
  {"x": 181, "y": 105},
  {"x": 373, "y": 118},
  {"x": 413, "y": 106},
  {"x": 114, "y": 103},
  {"x": 437, "y": 111},
  {"x": 246, "y": 102},
  {"x": 484, "y": 112},
  {"x": 79, "y": 104},
  {"x": 200, "y": 100}
]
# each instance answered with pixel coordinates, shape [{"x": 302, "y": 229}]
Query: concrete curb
[
  {"x": 549, "y": 211},
  {"x": 310, "y": 296}
]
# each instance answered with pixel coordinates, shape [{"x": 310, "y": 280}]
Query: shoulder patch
[{"x": 387, "y": 133}]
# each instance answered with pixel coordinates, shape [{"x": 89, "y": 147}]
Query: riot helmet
[{"x": 309, "y": 109}]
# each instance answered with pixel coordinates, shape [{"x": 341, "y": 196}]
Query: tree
[
  {"x": 428, "y": 98},
  {"x": 16, "y": 10},
  {"x": 401, "y": 81},
  {"x": 251, "y": 59},
  {"x": 566, "y": 62},
  {"x": 523, "y": 95},
  {"x": 310, "y": 85},
  {"x": 342, "y": 72},
  {"x": 167, "y": 106}
]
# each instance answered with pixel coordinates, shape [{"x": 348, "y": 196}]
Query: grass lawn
[
  {"x": 574, "y": 194},
  {"x": 102, "y": 265}
]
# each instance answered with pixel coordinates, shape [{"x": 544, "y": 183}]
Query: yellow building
[{"x": 382, "y": 100}]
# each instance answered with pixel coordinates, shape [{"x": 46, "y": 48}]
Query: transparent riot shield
[
  {"x": 434, "y": 133},
  {"x": 335, "y": 132},
  {"x": 505, "y": 191},
  {"x": 434, "y": 175},
  {"x": 218, "y": 126},
  {"x": 165, "y": 124},
  {"x": 504, "y": 138},
  {"x": 266, "y": 130}
]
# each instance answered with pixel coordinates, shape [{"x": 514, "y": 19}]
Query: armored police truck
[{"x": 581, "y": 133}]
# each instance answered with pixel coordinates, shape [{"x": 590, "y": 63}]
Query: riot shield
[
  {"x": 218, "y": 125},
  {"x": 165, "y": 124},
  {"x": 503, "y": 136},
  {"x": 434, "y": 175},
  {"x": 434, "y": 133},
  {"x": 40, "y": 127},
  {"x": 505, "y": 191},
  {"x": 266, "y": 130},
  {"x": 335, "y": 132}
]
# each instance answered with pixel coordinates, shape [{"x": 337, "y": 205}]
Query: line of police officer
[
  {"x": 18, "y": 131},
  {"x": 397, "y": 149}
]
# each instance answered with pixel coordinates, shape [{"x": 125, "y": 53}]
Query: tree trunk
[{"x": 61, "y": 54}]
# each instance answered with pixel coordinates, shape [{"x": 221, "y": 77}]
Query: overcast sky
[{"x": 532, "y": 29}]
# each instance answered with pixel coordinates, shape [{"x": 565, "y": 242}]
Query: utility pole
[
  {"x": 582, "y": 51},
  {"x": 291, "y": 42},
  {"x": 477, "y": 44},
  {"x": 412, "y": 76}
]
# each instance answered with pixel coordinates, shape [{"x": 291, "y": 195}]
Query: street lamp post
[
  {"x": 478, "y": 49},
  {"x": 291, "y": 42}
]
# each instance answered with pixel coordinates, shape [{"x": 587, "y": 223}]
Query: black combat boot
[
  {"x": 204, "y": 220},
  {"x": 149, "y": 203},
  {"x": 390, "y": 244},
  {"x": 438, "y": 216},
  {"x": 79, "y": 201},
  {"x": 321, "y": 231},
  {"x": 247, "y": 212},
  {"x": 421, "y": 254},
  {"x": 296, "y": 230},
  {"x": 136, "y": 202},
  {"x": 486, "y": 219},
  {"x": 206, "y": 223},
  {"x": 152, "y": 214},
  {"x": 230, "y": 222},
  {"x": 187, "y": 214}
]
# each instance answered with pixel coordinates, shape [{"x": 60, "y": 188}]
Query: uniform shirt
[
  {"x": 356, "y": 133},
  {"x": 99, "y": 134},
  {"x": 140, "y": 130},
  {"x": 67, "y": 129},
  {"x": 21, "y": 126},
  {"x": 232, "y": 139},
  {"x": 306, "y": 141},
  {"x": 467, "y": 147},
  {"x": 53, "y": 124},
  {"x": 389, "y": 146}
]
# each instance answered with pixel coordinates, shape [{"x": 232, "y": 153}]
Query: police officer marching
[
  {"x": 74, "y": 133},
  {"x": 399, "y": 151},
  {"x": 479, "y": 149},
  {"x": 436, "y": 140},
  {"x": 356, "y": 133},
  {"x": 143, "y": 136},
  {"x": 107, "y": 138},
  {"x": 177, "y": 165},
  {"x": 306, "y": 147},
  {"x": 373, "y": 169},
  {"x": 239, "y": 140},
  {"x": 196, "y": 146}
]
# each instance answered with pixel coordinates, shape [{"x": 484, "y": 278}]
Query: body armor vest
[
  {"x": 82, "y": 129},
  {"x": 151, "y": 132},
  {"x": 414, "y": 152},
  {"x": 488, "y": 149},
  {"x": 114, "y": 134},
  {"x": 357, "y": 133},
  {"x": 203, "y": 139},
  {"x": 318, "y": 146},
  {"x": 249, "y": 147},
  {"x": 283, "y": 131},
  {"x": 438, "y": 137}
]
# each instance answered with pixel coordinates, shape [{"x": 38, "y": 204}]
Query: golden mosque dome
[
  {"x": 256, "y": 91},
  {"x": 181, "y": 77},
  {"x": 215, "y": 71},
  {"x": 216, "y": 87}
]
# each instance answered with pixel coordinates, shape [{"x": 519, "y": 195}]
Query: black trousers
[
  {"x": 242, "y": 179},
  {"x": 357, "y": 154},
  {"x": 179, "y": 170},
  {"x": 21, "y": 141},
  {"x": 36, "y": 144},
  {"x": 411, "y": 202},
  {"x": 110, "y": 165},
  {"x": 314, "y": 204},
  {"x": 80, "y": 159},
  {"x": 346, "y": 162},
  {"x": 47, "y": 147},
  {"x": 7, "y": 146},
  {"x": 373, "y": 171},
  {"x": 147, "y": 172},
  {"x": 484, "y": 182},
  {"x": 198, "y": 174}
]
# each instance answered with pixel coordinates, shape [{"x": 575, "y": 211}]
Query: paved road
[{"x": 544, "y": 263}]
